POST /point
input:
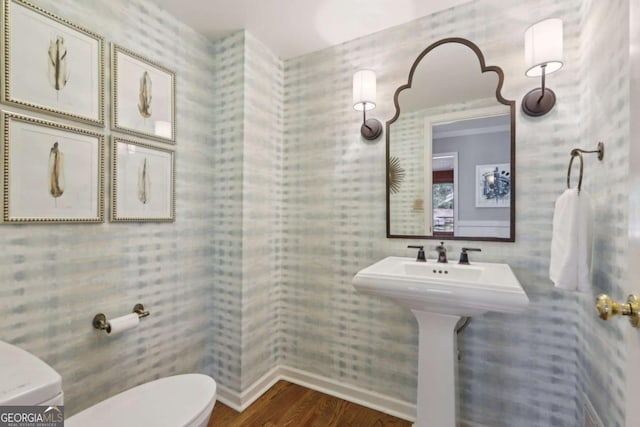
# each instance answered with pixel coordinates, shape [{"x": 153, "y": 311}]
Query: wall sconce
[
  {"x": 364, "y": 99},
  {"x": 543, "y": 55}
]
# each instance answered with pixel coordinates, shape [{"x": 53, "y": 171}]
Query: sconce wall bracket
[
  {"x": 371, "y": 129},
  {"x": 538, "y": 102}
]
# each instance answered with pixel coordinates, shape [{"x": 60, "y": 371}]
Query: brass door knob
[{"x": 608, "y": 308}]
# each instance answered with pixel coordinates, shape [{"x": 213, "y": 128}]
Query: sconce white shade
[
  {"x": 364, "y": 90},
  {"x": 543, "y": 45}
]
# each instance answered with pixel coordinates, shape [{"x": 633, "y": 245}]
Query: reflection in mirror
[{"x": 450, "y": 149}]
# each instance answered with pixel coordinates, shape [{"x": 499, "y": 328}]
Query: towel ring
[
  {"x": 578, "y": 152},
  {"x": 575, "y": 153}
]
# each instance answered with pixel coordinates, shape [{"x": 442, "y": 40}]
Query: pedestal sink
[{"x": 439, "y": 295}]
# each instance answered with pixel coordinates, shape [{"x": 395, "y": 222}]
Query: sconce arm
[{"x": 544, "y": 80}]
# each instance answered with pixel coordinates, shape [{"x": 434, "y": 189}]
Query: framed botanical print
[
  {"x": 51, "y": 65},
  {"x": 52, "y": 172},
  {"x": 143, "y": 96},
  {"x": 142, "y": 182}
]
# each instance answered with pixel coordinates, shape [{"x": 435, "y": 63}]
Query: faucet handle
[
  {"x": 464, "y": 257},
  {"x": 421, "y": 256}
]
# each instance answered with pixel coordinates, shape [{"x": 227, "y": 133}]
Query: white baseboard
[
  {"x": 241, "y": 401},
  {"x": 389, "y": 405}
]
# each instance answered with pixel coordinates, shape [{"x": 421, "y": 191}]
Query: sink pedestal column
[{"x": 437, "y": 365}]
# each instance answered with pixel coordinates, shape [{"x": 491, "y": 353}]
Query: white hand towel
[{"x": 571, "y": 242}]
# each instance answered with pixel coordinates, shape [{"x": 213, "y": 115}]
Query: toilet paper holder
[{"x": 100, "y": 320}]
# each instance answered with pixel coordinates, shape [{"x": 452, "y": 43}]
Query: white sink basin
[
  {"x": 461, "y": 290},
  {"x": 439, "y": 295}
]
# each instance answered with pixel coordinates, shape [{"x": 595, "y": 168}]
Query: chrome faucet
[{"x": 442, "y": 253}]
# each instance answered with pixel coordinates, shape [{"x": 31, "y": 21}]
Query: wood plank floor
[{"x": 291, "y": 405}]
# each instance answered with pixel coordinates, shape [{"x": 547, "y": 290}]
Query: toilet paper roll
[{"x": 123, "y": 323}]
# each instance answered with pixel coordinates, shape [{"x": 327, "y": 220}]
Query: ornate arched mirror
[{"x": 451, "y": 149}]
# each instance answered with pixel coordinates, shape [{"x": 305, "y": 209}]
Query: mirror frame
[{"x": 484, "y": 68}]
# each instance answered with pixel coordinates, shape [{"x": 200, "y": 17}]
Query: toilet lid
[
  {"x": 168, "y": 402},
  {"x": 25, "y": 379}
]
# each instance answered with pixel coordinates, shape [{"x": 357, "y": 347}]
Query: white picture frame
[
  {"x": 52, "y": 173},
  {"x": 51, "y": 65},
  {"x": 142, "y": 182},
  {"x": 142, "y": 96}
]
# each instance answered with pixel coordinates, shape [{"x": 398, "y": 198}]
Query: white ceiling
[{"x": 292, "y": 28}]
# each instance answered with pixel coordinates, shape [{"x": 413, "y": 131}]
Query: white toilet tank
[{"x": 27, "y": 380}]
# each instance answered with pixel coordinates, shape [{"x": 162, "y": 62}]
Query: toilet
[
  {"x": 27, "y": 380},
  {"x": 178, "y": 401}
]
